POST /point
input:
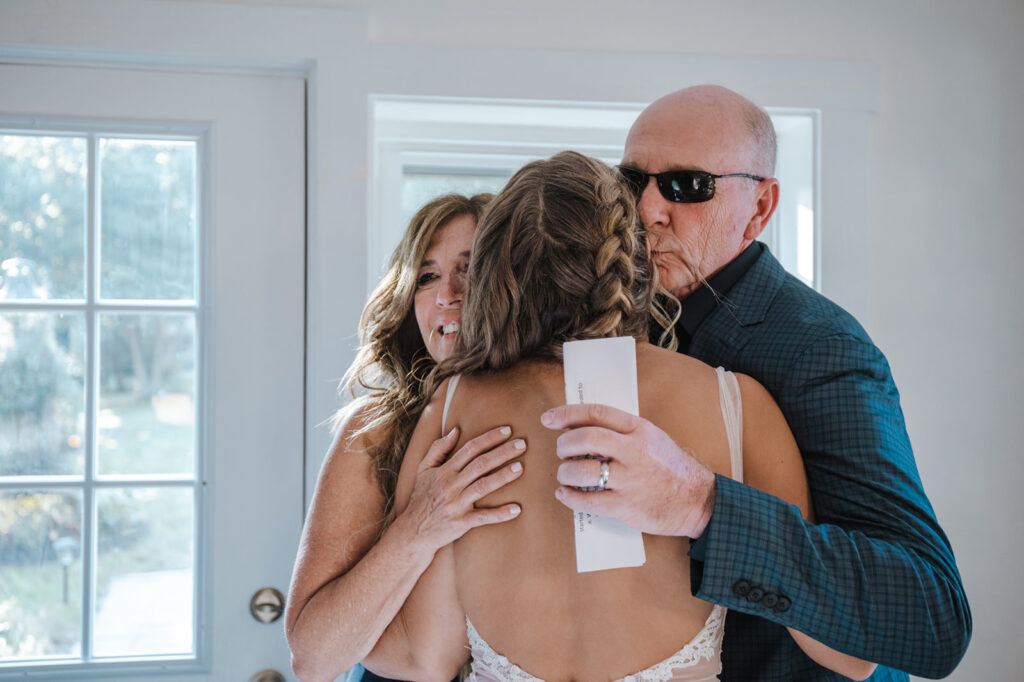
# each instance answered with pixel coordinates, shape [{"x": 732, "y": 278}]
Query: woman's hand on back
[{"x": 441, "y": 507}]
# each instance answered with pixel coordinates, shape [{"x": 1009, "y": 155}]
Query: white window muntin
[{"x": 90, "y": 482}]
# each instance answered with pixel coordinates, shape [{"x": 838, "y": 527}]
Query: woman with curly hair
[
  {"x": 358, "y": 559},
  {"x": 559, "y": 257}
]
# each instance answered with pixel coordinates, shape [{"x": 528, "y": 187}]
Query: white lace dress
[{"x": 700, "y": 659}]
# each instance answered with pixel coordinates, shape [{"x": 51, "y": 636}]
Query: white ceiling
[{"x": 335, "y": 4}]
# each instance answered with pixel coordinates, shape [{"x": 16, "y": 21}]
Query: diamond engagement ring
[{"x": 602, "y": 480}]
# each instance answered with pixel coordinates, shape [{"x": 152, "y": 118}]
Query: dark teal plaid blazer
[{"x": 874, "y": 576}]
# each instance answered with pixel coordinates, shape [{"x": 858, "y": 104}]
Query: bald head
[
  {"x": 711, "y": 129},
  {"x": 713, "y": 115}
]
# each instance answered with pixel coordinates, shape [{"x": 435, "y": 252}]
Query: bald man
[{"x": 873, "y": 576}]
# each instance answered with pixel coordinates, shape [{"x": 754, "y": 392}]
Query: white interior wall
[{"x": 944, "y": 156}]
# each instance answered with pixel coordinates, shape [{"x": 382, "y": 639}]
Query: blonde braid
[
  {"x": 617, "y": 301},
  {"x": 610, "y": 297},
  {"x": 557, "y": 257}
]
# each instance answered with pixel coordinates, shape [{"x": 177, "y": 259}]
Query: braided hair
[{"x": 559, "y": 255}]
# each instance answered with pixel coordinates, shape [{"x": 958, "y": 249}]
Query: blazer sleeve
[{"x": 874, "y": 576}]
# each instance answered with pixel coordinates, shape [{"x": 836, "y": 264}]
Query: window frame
[
  {"x": 457, "y": 135},
  {"x": 92, "y": 307}
]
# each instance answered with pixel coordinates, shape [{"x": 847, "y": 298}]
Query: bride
[{"x": 557, "y": 257}]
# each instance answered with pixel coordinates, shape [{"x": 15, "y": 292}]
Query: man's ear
[{"x": 766, "y": 201}]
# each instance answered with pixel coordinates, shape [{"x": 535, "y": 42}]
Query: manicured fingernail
[
  {"x": 506, "y": 430},
  {"x": 546, "y": 418},
  {"x": 514, "y": 511},
  {"x": 516, "y": 467},
  {"x": 559, "y": 493},
  {"x": 519, "y": 444},
  {"x": 454, "y": 429}
]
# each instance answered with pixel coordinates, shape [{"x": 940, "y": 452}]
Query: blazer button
[
  {"x": 770, "y": 600},
  {"x": 755, "y": 595},
  {"x": 741, "y": 588},
  {"x": 783, "y": 604}
]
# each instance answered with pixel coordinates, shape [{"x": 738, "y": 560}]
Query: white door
[{"x": 166, "y": 471}]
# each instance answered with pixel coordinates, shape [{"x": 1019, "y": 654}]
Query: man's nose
[{"x": 652, "y": 207}]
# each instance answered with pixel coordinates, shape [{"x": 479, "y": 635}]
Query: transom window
[{"x": 425, "y": 147}]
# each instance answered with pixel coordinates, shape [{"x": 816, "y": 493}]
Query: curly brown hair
[{"x": 392, "y": 360}]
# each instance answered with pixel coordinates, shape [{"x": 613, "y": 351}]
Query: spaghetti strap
[
  {"x": 452, "y": 383},
  {"x": 732, "y": 414}
]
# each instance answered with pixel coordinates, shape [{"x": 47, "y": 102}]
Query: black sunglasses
[{"x": 679, "y": 186}]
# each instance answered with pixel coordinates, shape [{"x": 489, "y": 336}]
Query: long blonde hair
[
  {"x": 559, "y": 255},
  {"x": 392, "y": 360}
]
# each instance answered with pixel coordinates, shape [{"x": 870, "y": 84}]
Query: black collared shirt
[
  {"x": 698, "y": 305},
  {"x": 695, "y": 309}
]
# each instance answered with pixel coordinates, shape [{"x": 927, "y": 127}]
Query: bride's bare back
[{"x": 517, "y": 581}]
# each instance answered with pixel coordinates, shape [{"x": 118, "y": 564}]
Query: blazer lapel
[{"x": 724, "y": 332}]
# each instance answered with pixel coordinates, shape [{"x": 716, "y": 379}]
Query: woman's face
[{"x": 441, "y": 285}]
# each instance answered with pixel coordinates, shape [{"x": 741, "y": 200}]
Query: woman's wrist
[{"x": 410, "y": 541}]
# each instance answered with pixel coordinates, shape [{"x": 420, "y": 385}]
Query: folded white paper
[{"x": 603, "y": 371}]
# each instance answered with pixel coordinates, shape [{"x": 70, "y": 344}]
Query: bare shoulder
[
  {"x": 762, "y": 417},
  {"x": 487, "y": 399},
  {"x": 429, "y": 425},
  {"x": 666, "y": 376},
  {"x": 347, "y": 499},
  {"x": 756, "y": 397},
  {"x": 426, "y": 431},
  {"x": 771, "y": 458},
  {"x": 352, "y": 416},
  {"x": 670, "y": 365},
  {"x": 352, "y": 439}
]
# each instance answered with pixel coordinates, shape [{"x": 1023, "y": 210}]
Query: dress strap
[
  {"x": 732, "y": 415},
  {"x": 452, "y": 383}
]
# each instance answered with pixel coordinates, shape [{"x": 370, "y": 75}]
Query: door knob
[
  {"x": 266, "y": 605},
  {"x": 267, "y": 676}
]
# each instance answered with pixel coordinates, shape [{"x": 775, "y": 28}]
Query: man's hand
[{"x": 653, "y": 485}]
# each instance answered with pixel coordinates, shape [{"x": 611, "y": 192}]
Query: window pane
[
  {"x": 41, "y": 413},
  {"x": 420, "y": 187},
  {"x": 42, "y": 217},
  {"x": 791, "y": 231},
  {"x": 146, "y": 419},
  {"x": 144, "y": 576},
  {"x": 147, "y": 218},
  {"x": 40, "y": 574}
]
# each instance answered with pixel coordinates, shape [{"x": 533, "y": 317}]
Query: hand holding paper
[
  {"x": 603, "y": 371},
  {"x": 654, "y": 485}
]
